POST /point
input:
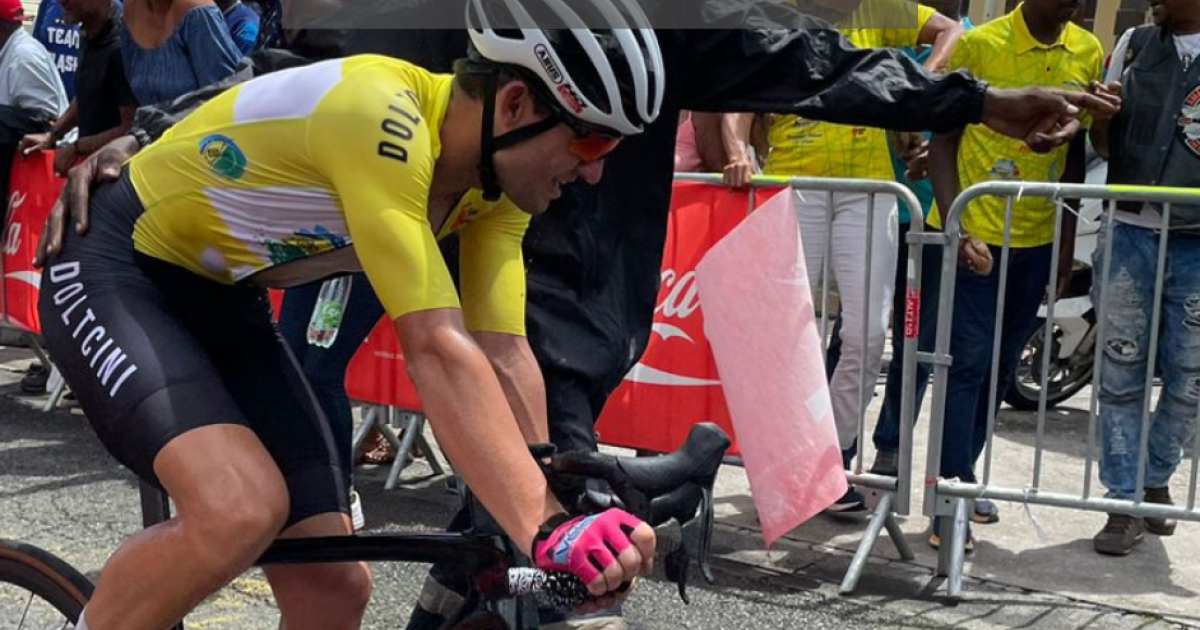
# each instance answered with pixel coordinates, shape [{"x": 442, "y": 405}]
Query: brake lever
[{"x": 696, "y": 544}]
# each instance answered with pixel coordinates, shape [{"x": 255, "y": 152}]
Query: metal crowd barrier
[
  {"x": 952, "y": 497},
  {"x": 885, "y": 496}
]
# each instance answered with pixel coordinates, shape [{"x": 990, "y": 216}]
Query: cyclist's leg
[
  {"x": 266, "y": 382},
  {"x": 159, "y": 407},
  {"x": 321, "y": 596}
]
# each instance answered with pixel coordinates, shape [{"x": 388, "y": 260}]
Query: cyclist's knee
[
  {"x": 351, "y": 585},
  {"x": 314, "y": 594},
  {"x": 248, "y": 518}
]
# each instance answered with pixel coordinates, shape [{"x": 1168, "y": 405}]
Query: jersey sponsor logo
[
  {"x": 1005, "y": 170},
  {"x": 110, "y": 364},
  {"x": 400, "y": 127},
  {"x": 224, "y": 156},
  {"x": 547, "y": 60},
  {"x": 303, "y": 244},
  {"x": 1189, "y": 120},
  {"x": 571, "y": 99}
]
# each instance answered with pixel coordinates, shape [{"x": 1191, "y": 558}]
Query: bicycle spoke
[{"x": 25, "y": 613}]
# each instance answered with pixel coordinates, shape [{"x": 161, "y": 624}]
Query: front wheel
[{"x": 38, "y": 590}]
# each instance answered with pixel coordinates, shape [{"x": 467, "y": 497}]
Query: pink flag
[{"x": 758, "y": 317}]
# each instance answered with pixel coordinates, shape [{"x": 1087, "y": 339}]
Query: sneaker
[
  {"x": 356, "y": 513},
  {"x": 935, "y": 539},
  {"x": 850, "y": 502},
  {"x": 985, "y": 512},
  {"x": 1156, "y": 525},
  {"x": 1120, "y": 535},
  {"x": 34, "y": 381},
  {"x": 887, "y": 464}
]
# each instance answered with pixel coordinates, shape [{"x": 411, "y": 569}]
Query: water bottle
[{"x": 327, "y": 314}]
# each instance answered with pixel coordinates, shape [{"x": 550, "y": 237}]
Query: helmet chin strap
[{"x": 490, "y": 144}]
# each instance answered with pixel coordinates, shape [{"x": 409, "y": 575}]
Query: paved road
[{"x": 60, "y": 490}]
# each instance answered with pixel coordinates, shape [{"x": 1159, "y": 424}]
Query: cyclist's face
[{"x": 534, "y": 172}]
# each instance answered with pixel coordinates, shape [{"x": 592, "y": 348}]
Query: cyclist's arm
[
  {"x": 492, "y": 278},
  {"x": 385, "y": 201},
  {"x": 521, "y": 379}
]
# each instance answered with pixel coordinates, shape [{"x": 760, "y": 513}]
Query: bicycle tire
[{"x": 45, "y": 575}]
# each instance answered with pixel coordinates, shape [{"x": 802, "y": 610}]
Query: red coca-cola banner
[
  {"x": 377, "y": 373},
  {"x": 676, "y": 383},
  {"x": 33, "y": 189}
]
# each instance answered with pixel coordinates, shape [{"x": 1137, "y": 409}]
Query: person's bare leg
[
  {"x": 231, "y": 502},
  {"x": 321, "y": 596}
]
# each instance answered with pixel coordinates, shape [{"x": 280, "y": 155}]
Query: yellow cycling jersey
[{"x": 287, "y": 171}]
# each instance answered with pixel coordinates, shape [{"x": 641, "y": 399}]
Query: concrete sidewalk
[{"x": 1036, "y": 566}]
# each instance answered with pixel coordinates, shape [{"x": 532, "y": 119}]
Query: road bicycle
[{"x": 673, "y": 492}]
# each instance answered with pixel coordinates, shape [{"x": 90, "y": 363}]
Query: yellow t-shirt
[
  {"x": 1003, "y": 53},
  {"x": 807, "y": 148},
  {"x": 306, "y": 162}
]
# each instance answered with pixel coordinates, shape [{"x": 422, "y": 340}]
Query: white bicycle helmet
[{"x": 609, "y": 78}]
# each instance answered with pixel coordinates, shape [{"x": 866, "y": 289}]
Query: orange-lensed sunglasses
[{"x": 593, "y": 147}]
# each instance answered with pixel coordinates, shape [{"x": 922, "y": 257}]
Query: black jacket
[{"x": 594, "y": 257}]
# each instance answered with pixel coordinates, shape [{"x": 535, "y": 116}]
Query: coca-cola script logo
[
  {"x": 674, "y": 324},
  {"x": 16, "y": 200}
]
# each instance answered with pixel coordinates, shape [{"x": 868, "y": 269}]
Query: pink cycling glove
[{"x": 573, "y": 545}]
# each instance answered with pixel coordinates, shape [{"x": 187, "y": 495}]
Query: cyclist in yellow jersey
[
  {"x": 800, "y": 147},
  {"x": 159, "y": 322}
]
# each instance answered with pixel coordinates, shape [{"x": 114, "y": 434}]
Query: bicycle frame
[{"x": 483, "y": 559}]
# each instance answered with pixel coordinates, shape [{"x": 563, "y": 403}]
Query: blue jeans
[
  {"x": 1128, "y": 310},
  {"x": 971, "y": 335},
  {"x": 325, "y": 368},
  {"x": 887, "y": 429}
]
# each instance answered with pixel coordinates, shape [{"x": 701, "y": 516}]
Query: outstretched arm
[{"x": 801, "y": 65}]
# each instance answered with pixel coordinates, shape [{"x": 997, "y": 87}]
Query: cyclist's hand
[
  {"x": 99, "y": 167},
  {"x": 606, "y": 551}
]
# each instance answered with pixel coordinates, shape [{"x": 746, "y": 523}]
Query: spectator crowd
[{"x": 1038, "y": 43}]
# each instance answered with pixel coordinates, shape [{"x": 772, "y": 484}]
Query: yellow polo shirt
[
  {"x": 807, "y": 148},
  {"x": 1004, "y": 53}
]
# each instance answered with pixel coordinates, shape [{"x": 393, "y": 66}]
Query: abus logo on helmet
[{"x": 547, "y": 61}]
